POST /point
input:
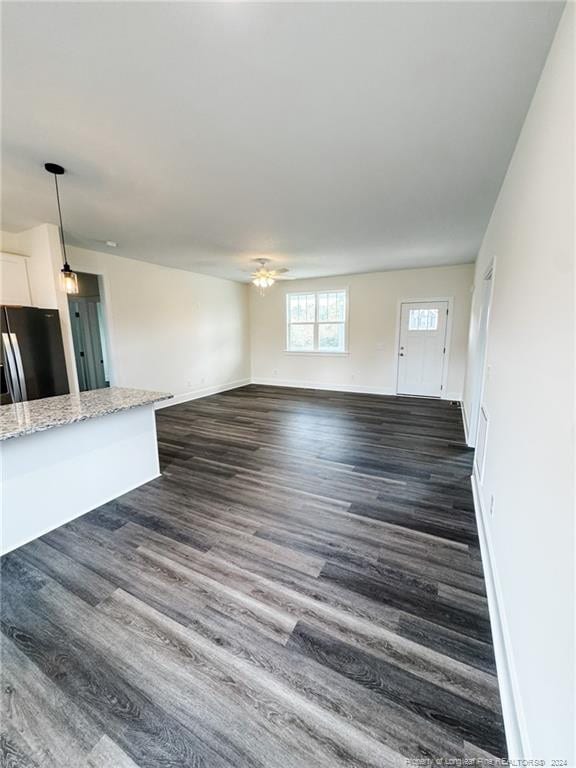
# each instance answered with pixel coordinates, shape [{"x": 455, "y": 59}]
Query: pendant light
[{"x": 68, "y": 279}]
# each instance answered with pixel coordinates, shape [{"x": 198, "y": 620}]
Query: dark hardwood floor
[{"x": 302, "y": 587}]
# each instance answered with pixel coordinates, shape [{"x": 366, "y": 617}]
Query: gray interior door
[{"x": 87, "y": 344}]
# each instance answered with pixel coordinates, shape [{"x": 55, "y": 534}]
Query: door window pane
[
  {"x": 423, "y": 320},
  {"x": 301, "y": 338},
  {"x": 432, "y": 324},
  {"x": 331, "y": 337}
]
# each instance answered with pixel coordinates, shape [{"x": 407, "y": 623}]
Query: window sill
[{"x": 316, "y": 353}]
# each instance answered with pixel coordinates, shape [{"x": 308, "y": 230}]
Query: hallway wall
[{"x": 526, "y": 491}]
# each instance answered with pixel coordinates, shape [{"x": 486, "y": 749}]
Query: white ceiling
[{"x": 334, "y": 137}]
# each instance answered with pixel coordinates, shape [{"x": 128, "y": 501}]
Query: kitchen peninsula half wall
[{"x": 63, "y": 456}]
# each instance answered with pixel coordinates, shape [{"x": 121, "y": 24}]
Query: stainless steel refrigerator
[{"x": 33, "y": 363}]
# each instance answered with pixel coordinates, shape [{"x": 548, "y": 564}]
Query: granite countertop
[{"x": 38, "y": 415}]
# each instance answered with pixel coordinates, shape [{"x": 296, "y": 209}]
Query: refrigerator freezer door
[{"x": 38, "y": 351}]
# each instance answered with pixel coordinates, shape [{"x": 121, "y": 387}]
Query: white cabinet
[{"x": 14, "y": 282}]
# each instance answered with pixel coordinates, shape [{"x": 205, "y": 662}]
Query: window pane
[
  {"x": 332, "y": 306},
  {"x": 341, "y": 305},
  {"x": 296, "y": 305},
  {"x": 301, "y": 308},
  {"x": 322, "y": 307},
  {"x": 331, "y": 337},
  {"x": 292, "y": 309},
  {"x": 301, "y": 338},
  {"x": 311, "y": 308}
]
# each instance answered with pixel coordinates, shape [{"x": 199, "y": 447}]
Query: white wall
[
  {"x": 373, "y": 330},
  {"x": 169, "y": 329},
  {"x": 529, "y": 399}
]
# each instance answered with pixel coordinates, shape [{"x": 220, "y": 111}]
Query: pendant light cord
[{"x": 61, "y": 227}]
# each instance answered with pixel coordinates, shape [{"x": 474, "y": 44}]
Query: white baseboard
[
  {"x": 324, "y": 387},
  {"x": 355, "y": 388},
  {"x": 204, "y": 392},
  {"x": 514, "y": 722}
]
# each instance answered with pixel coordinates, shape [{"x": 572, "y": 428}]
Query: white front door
[{"x": 422, "y": 347}]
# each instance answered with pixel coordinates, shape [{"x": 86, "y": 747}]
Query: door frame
[
  {"x": 479, "y": 363},
  {"x": 446, "y": 365},
  {"x": 80, "y": 329},
  {"x": 105, "y": 292}
]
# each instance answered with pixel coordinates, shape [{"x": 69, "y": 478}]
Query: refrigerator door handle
[
  {"x": 12, "y": 377},
  {"x": 19, "y": 366}
]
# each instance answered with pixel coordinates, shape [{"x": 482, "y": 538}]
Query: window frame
[{"x": 316, "y": 351}]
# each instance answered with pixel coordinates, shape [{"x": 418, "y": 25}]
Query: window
[
  {"x": 316, "y": 321},
  {"x": 423, "y": 320}
]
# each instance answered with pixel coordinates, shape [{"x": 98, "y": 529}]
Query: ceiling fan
[{"x": 264, "y": 277}]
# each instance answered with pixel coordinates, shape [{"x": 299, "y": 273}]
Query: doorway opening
[
  {"x": 422, "y": 348},
  {"x": 89, "y": 333}
]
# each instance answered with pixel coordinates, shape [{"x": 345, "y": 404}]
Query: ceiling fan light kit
[
  {"x": 265, "y": 278},
  {"x": 262, "y": 280}
]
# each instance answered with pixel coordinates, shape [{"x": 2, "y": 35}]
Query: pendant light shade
[{"x": 68, "y": 278}]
